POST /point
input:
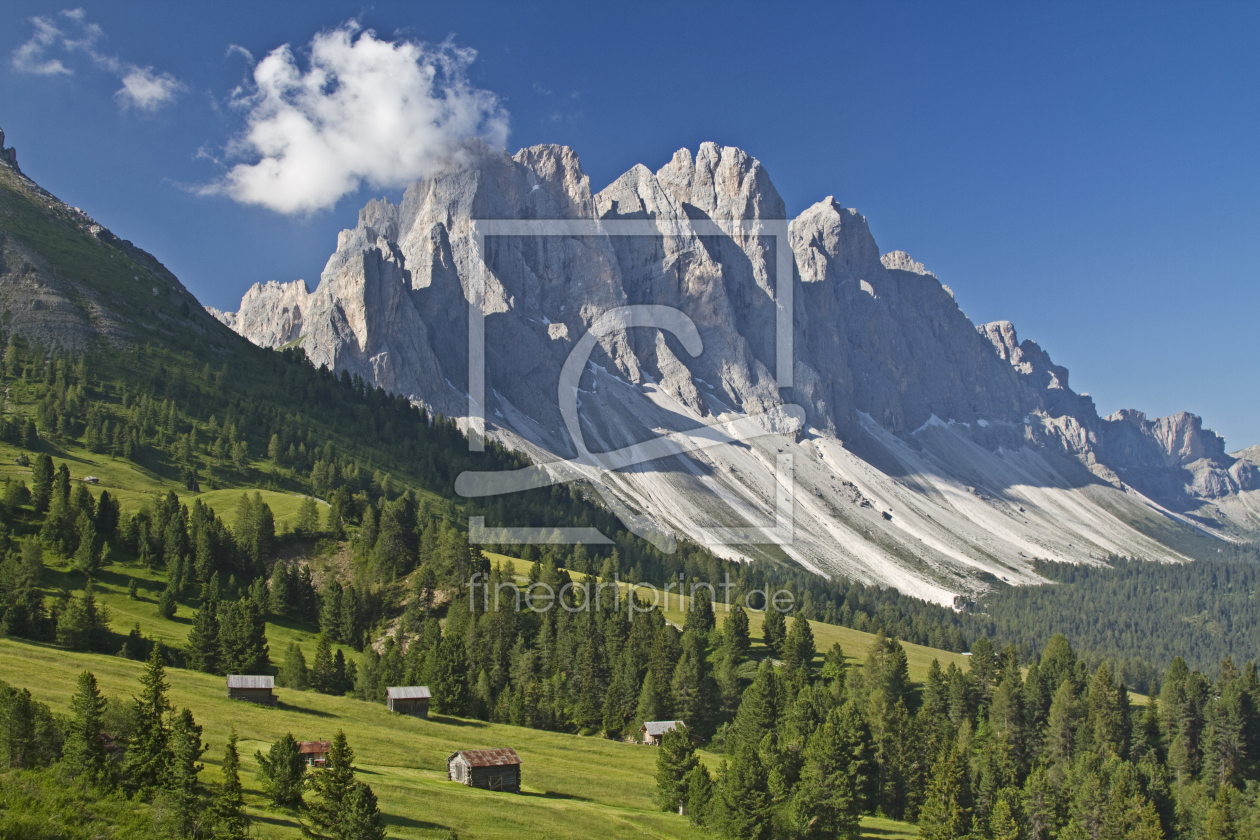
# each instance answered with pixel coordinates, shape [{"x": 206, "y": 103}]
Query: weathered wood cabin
[
  {"x": 315, "y": 753},
  {"x": 255, "y": 689},
  {"x": 653, "y": 730},
  {"x": 409, "y": 700},
  {"x": 498, "y": 769}
]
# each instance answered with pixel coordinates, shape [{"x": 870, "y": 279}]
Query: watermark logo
[
  {"x": 589, "y": 465},
  {"x": 486, "y": 595}
]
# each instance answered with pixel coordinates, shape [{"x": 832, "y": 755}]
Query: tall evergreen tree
[
  {"x": 84, "y": 753},
  {"x": 799, "y": 651},
  {"x": 183, "y": 779},
  {"x": 330, "y": 788},
  {"x": 203, "y": 639},
  {"x": 675, "y": 760},
  {"x": 735, "y": 641},
  {"x": 693, "y": 689},
  {"x": 282, "y": 770},
  {"x": 944, "y": 815},
  {"x": 230, "y": 820},
  {"x": 148, "y": 758},
  {"x": 361, "y": 816},
  {"x": 744, "y": 797},
  {"x": 773, "y": 631},
  {"x": 828, "y": 800}
]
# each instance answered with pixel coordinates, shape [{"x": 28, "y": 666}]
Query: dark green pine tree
[
  {"x": 773, "y": 631},
  {"x": 203, "y": 639},
  {"x": 84, "y": 755},
  {"x": 322, "y": 677},
  {"x": 330, "y": 610},
  {"x": 675, "y": 760},
  {"x": 699, "y": 785},
  {"x": 744, "y": 797},
  {"x": 243, "y": 645},
  {"x": 230, "y": 821},
  {"x": 944, "y": 815},
  {"x": 760, "y": 709},
  {"x": 361, "y": 816},
  {"x": 799, "y": 651},
  {"x": 735, "y": 641},
  {"x": 42, "y": 473},
  {"x": 148, "y": 757},
  {"x": 330, "y": 788},
  {"x": 293, "y": 672},
  {"x": 183, "y": 780},
  {"x": 168, "y": 603},
  {"x": 593, "y": 677},
  {"x": 828, "y": 800},
  {"x": 282, "y": 770},
  {"x": 700, "y": 617},
  {"x": 693, "y": 689},
  {"x": 450, "y": 678}
]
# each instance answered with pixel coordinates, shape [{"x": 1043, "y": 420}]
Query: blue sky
[{"x": 1087, "y": 171}]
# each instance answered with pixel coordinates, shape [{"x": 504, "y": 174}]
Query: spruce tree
[
  {"x": 182, "y": 780},
  {"x": 760, "y": 709},
  {"x": 944, "y": 815},
  {"x": 675, "y": 760},
  {"x": 829, "y": 798},
  {"x": 293, "y": 671},
  {"x": 330, "y": 788},
  {"x": 735, "y": 641},
  {"x": 799, "y": 651},
  {"x": 361, "y": 816},
  {"x": 693, "y": 690},
  {"x": 168, "y": 603},
  {"x": 322, "y": 677},
  {"x": 203, "y": 639},
  {"x": 149, "y": 755},
  {"x": 773, "y": 631},
  {"x": 699, "y": 785},
  {"x": 450, "y": 680},
  {"x": 84, "y": 753},
  {"x": 744, "y": 797},
  {"x": 230, "y": 821},
  {"x": 282, "y": 770}
]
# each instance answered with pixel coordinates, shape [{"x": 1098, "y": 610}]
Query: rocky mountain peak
[
  {"x": 902, "y": 261},
  {"x": 8, "y": 156},
  {"x": 902, "y": 395}
]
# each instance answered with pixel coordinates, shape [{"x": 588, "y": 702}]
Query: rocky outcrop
[{"x": 975, "y": 435}]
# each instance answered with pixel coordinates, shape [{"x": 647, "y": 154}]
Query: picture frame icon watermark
[{"x": 473, "y": 484}]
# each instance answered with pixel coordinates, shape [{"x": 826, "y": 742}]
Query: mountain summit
[{"x": 934, "y": 455}]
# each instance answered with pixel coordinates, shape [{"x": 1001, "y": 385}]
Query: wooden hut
[
  {"x": 489, "y": 769},
  {"x": 409, "y": 700},
  {"x": 315, "y": 753},
  {"x": 255, "y": 689},
  {"x": 653, "y": 730}
]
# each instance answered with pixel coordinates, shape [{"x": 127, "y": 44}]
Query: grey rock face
[{"x": 970, "y": 439}]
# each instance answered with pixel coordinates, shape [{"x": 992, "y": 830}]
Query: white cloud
[
  {"x": 366, "y": 110},
  {"x": 146, "y": 89},
  {"x": 143, "y": 88},
  {"x": 29, "y": 58}
]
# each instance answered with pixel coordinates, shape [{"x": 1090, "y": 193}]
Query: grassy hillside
[{"x": 573, "y": 786}]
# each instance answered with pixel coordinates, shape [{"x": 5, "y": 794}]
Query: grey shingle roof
[
  {"x": 657, "y": 728},
  {"x": 409, "y": 692},
  {"x": 250, "y": 681}
]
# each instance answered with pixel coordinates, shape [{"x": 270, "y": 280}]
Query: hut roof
[
  {"x": 312, "y": 747},
  {"x": 488, "y": 758},
  {"x": 657, "y": 728},
  {"x": 409, "y": 692},
  {"x": 250, "y": 681}
]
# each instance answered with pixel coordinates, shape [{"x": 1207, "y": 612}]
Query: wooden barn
[
  {"x": 652, "y": 730},
  {"x": 489, "y": 769},
  {"x": 315, "y": 753},
  {"x": 255, "y": 689},
  {"x": 409, "y": 700}
]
